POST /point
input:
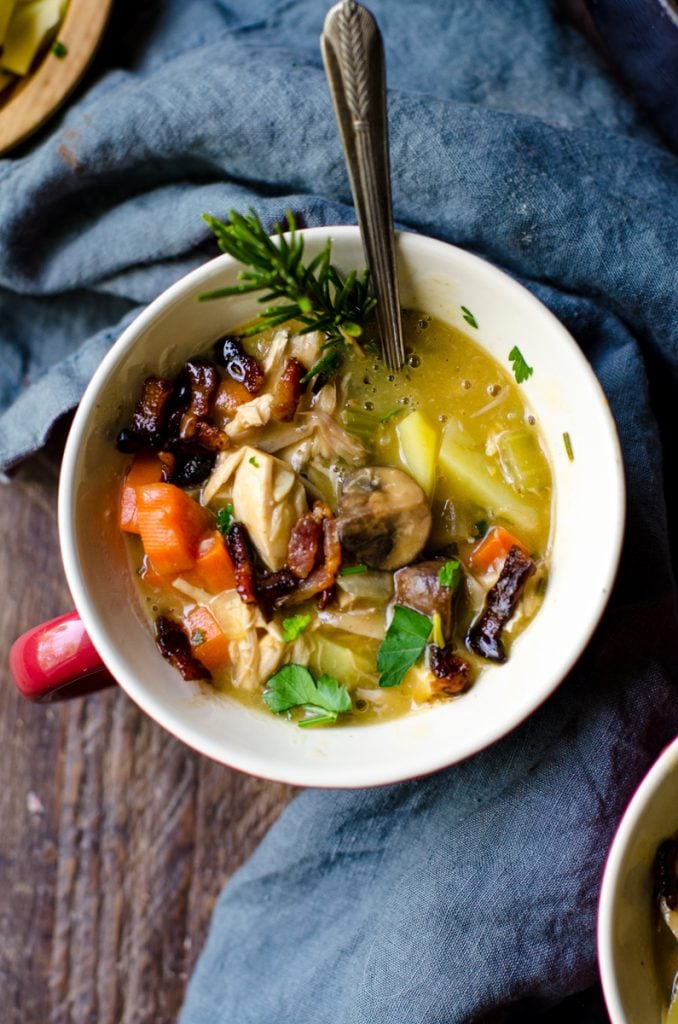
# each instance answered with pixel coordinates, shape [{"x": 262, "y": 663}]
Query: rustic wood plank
[{"x": 115, "y": 839}]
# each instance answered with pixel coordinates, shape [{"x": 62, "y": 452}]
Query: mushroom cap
[{"x": 384, "y": 518}]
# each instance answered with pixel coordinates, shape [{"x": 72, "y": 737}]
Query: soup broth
[{"x": 456, "y": 553}]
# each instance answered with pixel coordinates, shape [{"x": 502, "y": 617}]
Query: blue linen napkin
[{"x": 469, "y": 895}]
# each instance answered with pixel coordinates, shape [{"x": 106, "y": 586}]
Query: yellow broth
[{"x": 457, "y": 387}]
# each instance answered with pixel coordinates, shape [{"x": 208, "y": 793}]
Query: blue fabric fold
[{"x": 468, "y": 896}]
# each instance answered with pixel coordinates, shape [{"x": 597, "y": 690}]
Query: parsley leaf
[
  {"x": 294, "y": 626},
  {"x": 292, "y": 686},
  {"x": 253, "y": 462},
  {"x": 59, "y": 49},
  {"x": 520, "y": 368},
  {"x": 469, "y": 317},
  {"x": 225, "y": 520},
  {"x": 352, "y": 570},
  {"x": 480, "y": 528},
  {"x": 450, "y": 574},
  {"x": 404, "y": 642}
]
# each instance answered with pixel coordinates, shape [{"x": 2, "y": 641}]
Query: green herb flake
[
  {"x": 450, "y": 574},
  {"x": 197, "y": 638},
  {"x": 225, "y": 519},
  {"x": 292, "y": 686},
  {"x": 394, "y": 412},
  {"x": 469, "y": 317},
  {"x": 294, "y": 627},
  {"x": 253, "y": 462},
  {"x": 59, "y": 49},
  {"x": 521, "y": 370},
  {"x": 480, "y": 528},
  {"x": 567, "y": 441},
  {"x": 404, "y": 642},
  {"x": 352, "y": 570}
]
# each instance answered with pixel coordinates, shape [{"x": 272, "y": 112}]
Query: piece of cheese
[
  {"x": 28, "y": 30},
  {"x": 6, "y": 10}
]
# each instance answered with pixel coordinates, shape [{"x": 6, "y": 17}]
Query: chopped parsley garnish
[
  {"x": 404, "y": 642},
  {"x": 197, "y": 637},
  {"x": 480, "y": 528},
  {"x": 253, "y": 462},
  {"x": 568, "y": 446},
  {"x": 352, "y": 570},
  {"x": 59, "y": 49},
  {"x": 292, "y": 686},
  {"x": 521, "y": 370},
  {"x": 469, "y": 317},
  {"x": 225, "y": 519},
  {"x": 294, "y": 627},
  {"x": 450, "y": 574}
]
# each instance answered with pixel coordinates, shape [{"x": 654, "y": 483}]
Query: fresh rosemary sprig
[{"x": 318, "y": 295}]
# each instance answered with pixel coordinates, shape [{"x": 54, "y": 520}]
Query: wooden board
[
  {"x": 115, "y": 839},
  {"x": 36, "y": 97}
]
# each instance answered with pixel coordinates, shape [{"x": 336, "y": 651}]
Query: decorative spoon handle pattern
[{"x": 353, "y": 53}]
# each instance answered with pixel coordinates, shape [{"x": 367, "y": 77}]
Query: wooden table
[{"x": 115, "y": 839}]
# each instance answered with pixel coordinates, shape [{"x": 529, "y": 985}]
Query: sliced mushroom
[
  {"x": 419, "y": 587},
  {"x": 384, "y": 519}
]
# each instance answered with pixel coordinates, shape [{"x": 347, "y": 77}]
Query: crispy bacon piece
[
  {"x": 230, "y": 396},
  {"x": 453, "y": 673},
  {"x": 484, "y": 636},
  {"x": 240, "y": 550},
  {"x": 325, "y": 598},
  {"x": 191, "y": 467},
  {"x": 168, "y": 462},
  {"x": 324, "y": 577},
  {"x": 211, "y": 437},
  {"x": 274, "y": 586},
  {"x": 288, "y": 391},
  {"x": 175, "y": 646},
  {"x": 147, "y": 430},
  {"x": 202, "y": 380},
  {"x": 304, "y": 543},
  {"x": 239, "y": 365}
]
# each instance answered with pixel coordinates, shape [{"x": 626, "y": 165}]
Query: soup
[
  {"x": 666, "y": 945},
  {"x": 338, "y": 549}
]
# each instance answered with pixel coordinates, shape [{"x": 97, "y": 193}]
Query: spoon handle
[{"x": 353, "y": 53}]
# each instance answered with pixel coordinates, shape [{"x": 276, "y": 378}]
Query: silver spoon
[{"x": 353, "y": 53}]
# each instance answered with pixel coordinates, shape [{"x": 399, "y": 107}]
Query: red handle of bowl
[{"x": 57, "y": 660}]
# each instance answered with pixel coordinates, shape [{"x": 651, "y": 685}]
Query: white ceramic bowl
[
  {"x": 564, "y": 395},
  {"x": 626, "y": 924}
]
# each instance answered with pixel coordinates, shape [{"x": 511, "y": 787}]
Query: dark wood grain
[{"x": 115, "y": 839}]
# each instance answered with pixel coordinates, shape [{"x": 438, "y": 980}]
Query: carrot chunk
[
  {"x": 209, "y": 643},
  {"x": 496, "y": 544},
  {"x": 146, "y": 469},
  {"x": 213, "y": 569},
  {"x": 171, "y": 525}
]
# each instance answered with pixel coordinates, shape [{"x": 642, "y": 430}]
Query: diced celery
[
  {"x": 362, "y": 423},
  {"x": 349, "y": 661},
  {"x": 473, "y": 475},
  {"x": 418, "y": 449},
  {"x": 522, "y": 460},
  {"x": 6, "y": 10},
  {"x": 27, "y": 32}
]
